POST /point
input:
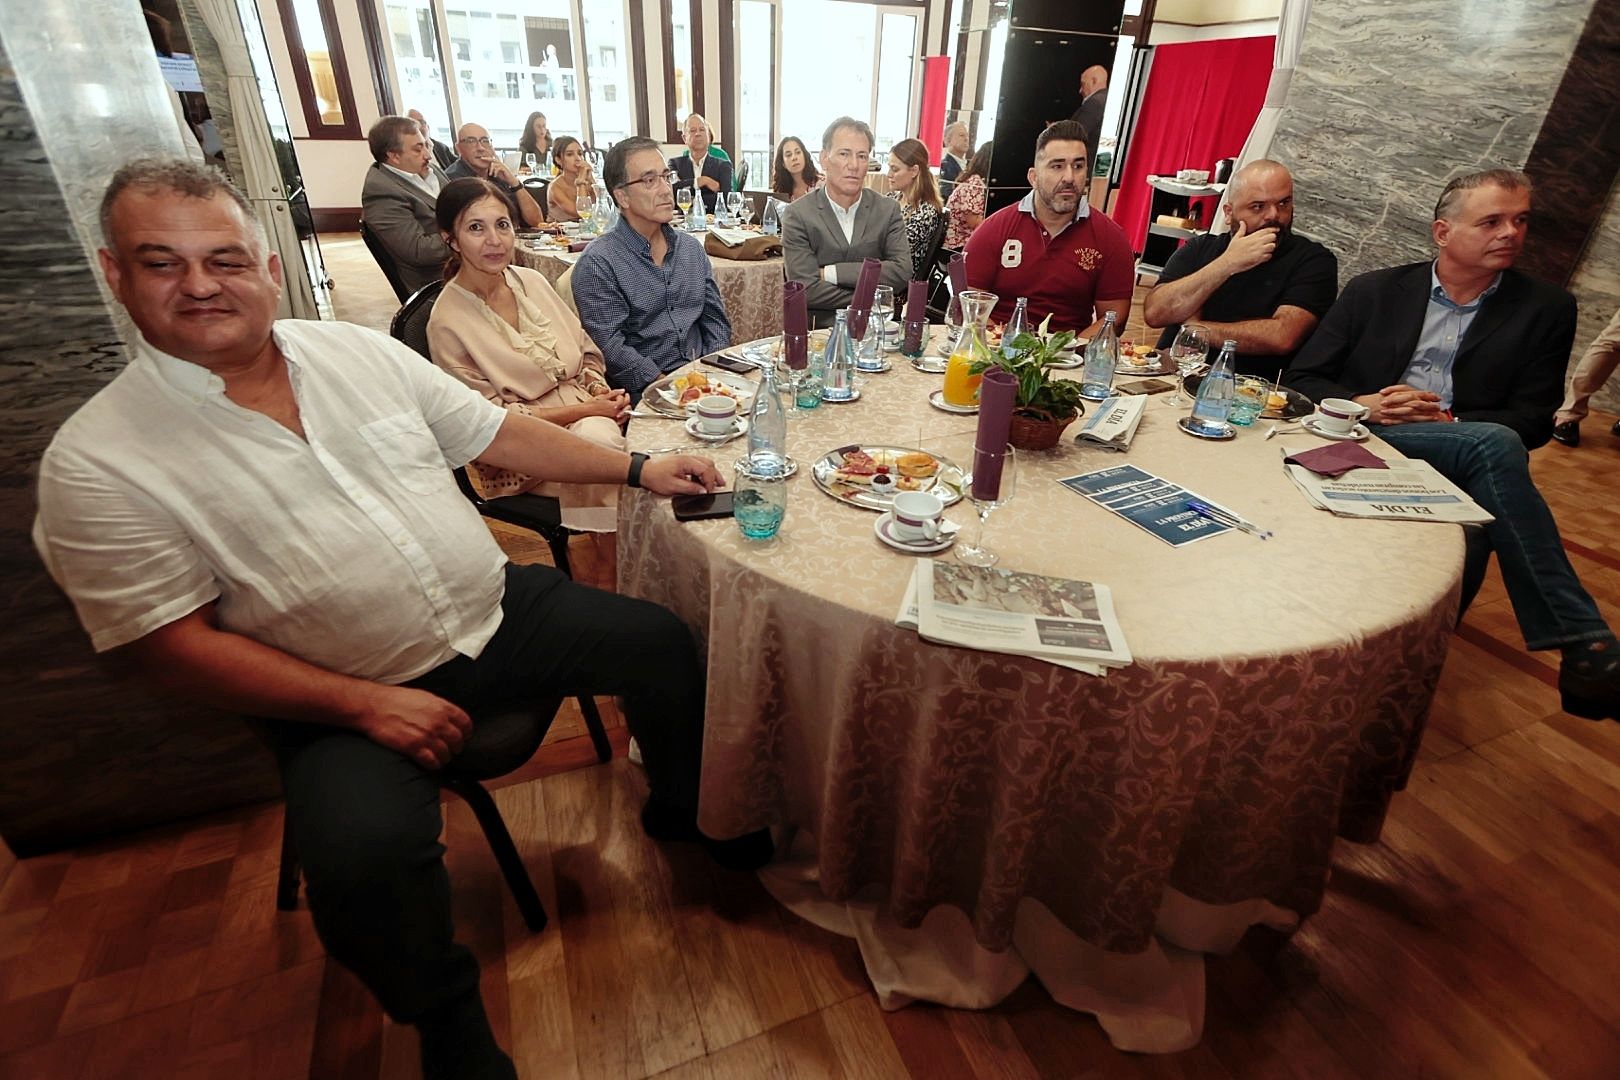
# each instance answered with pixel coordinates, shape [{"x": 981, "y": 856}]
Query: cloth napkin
[
  {"x": 1331, "y": 461},
  {"x": 996, "y": 396},
  {"x": 959, "y": 284},
  {"x": 916, "y": 316},
  {"x": 860, "y": 303},
  {"x": 795, "y": 326}
]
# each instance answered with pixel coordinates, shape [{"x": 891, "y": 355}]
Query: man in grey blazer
[
  {"x": 398, "y": 198},
  {"x": 827, "y": 234}
]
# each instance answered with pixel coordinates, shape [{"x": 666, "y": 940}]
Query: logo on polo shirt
[
  {"x": 1088, "y": 258},
  {"x": 1012, "y": 253}
]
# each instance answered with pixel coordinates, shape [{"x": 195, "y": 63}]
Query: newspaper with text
[
  {"x": 1113, "y": 422},
  {"x": 1409, "y": 490}
]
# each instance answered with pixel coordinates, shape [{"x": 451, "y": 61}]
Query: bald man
[
  {"x": 1093, "y": 103},
  {"x": 443, "y": 156},
  {"x": 1262, "y": 285},
  {"x": 711, "y": 175},
  {"x": 478, "y": 158}
]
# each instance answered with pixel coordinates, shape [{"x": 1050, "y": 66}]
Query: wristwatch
[{"x": 637, "y": 460}]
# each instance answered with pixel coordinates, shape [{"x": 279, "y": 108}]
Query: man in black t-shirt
[{"x": 1262, "y": 285}]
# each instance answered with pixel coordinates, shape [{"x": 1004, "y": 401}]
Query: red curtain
[
  {"x": 1201, "y": 100},
  {"x": 931, "y": 120}
]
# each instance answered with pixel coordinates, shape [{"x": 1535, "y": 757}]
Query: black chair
[
  {"x": 742, "y": 175},
  {"x": 501, "y": 742},
  {"x": 936, "y": 271},
  {"x": 537, "y": 186},
  {"x": 385, "y": 260}
]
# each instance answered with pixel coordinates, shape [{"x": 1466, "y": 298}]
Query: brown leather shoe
[{"x": 1569, "y": 432}]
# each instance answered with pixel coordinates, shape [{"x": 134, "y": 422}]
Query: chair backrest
[
  {"x": 410, "y": 321},
  {"x": 742, "y": 175},
  {"x": 385, "y": 260},
  {"x": 936, "y": 242},
  {"x": 537, "y": 186}
]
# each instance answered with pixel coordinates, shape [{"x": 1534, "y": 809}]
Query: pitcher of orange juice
[{"x": 962, "y": 388}]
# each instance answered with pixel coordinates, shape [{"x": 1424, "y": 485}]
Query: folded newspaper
[
  {"x": 1113, "y": 422},
  {"x": 733, "y": 237},
  {"x": 1068, "y": 623},
  {"x": 1409, "y": 490}
]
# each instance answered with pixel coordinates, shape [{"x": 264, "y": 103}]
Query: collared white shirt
[
  {"x": 1445, "y": 324},
  {"x": 846, "y": 222},
  {"x": 352, "y": 550},
  {"x": 1027, "y": 205},
  {"x": 428, "y": 183}
]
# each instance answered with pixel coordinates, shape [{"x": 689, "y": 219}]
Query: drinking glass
[
  {"x": 759, "y": 503},
  {"x": 745, "y": 210},
  {"x": 976, "y": 554},
  {"x": 1190, "y": 351},
  {"x": 1248, "y": 400},
  {"x": 683, "y": 199},
  {"x": 529, "y": 163},
  {"x": 585, "y": 204},
  {"x": 883, "y": 303}
]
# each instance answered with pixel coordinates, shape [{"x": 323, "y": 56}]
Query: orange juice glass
[{"x": 960, "y": 387}]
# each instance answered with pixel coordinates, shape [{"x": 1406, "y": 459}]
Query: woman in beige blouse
[
  {"x": 573, "y": 176},
  {"x": 503, "y": 331}
]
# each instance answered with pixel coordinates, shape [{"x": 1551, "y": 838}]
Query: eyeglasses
[
  {"x": 651, "y": 181},
  {"x": 477, "y": 142}
]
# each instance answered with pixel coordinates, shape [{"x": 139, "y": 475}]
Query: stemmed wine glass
[
  {"x": 1189, "y": 351},
  {"x": 986, "y": 496},
  {"x": 744, "y": 209},
  {"x": 529, "y": 163},
  {"x": 683, "y": 199},
  {"x": 585, "y": 204}
]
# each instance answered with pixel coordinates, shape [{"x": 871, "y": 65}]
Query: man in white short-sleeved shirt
[{"x": 263, "y": 516}]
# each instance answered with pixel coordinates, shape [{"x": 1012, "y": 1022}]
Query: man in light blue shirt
[
  {"x": 1445, "y": 324},
  {"x": 645, "y": 292}
]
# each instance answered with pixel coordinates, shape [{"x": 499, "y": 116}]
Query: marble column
[{"x": 84, "y": 749}]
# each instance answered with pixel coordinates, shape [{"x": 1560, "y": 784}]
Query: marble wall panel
[
  {"x": 1394, "y": 97},
  {"x": 84, "y": 750}
]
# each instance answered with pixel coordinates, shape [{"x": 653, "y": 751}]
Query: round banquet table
[
  {"x": 969, "y": 816},
  {"x": 752, "y": 291}
]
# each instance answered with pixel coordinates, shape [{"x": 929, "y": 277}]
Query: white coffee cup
[
  {"x": 716, "y": 414},
  {"x": 916, "y": 515},
  {"x": 1339, "y": 415}
]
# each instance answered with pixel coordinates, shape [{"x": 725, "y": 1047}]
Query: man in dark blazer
[
  {"x": 398, "y": 199},
  {"x": 828, "y": 234},
  {"x": 1460, "y": 363},
  {"x": 443, "y": 156}
]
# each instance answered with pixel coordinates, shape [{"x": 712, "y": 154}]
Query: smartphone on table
[
  {"x": 716, "y": 504},
  {"x": 729, "y": 363}
]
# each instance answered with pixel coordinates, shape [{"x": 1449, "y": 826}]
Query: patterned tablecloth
[
  {"x": 971, "y": 816},
  {"x": 752, "y": 291}
]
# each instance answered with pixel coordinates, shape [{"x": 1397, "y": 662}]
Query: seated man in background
[
  {"x": 324, "y": 573},
  {"x": 443, "y": 156},
  {"x": 955, "y": 158},
  {"x": 479, "y": 159},
  {"x": 397, "y": 200},
  {"x": 1461, "y": 363},
  {"x": 1072, "y": 264},
  {"x": 645, "y": 292},
  {"x": 828, "y": 234},
  {"x": 1262, "y": 284},
  {"x": 704, "y": 165}
]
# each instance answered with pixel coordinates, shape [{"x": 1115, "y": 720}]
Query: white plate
[
  {"x": 739, "y": 427},
  {"x": 930, "y": 365},
  {"x": 854, "y": 396},
  {"x": 875, "y": 370},
  {"x": 1358, "y": 433},
  {"x": 937, "y": 400},
  {"x": 660, "y": 396},
  {"x": 884, "y": 526}
]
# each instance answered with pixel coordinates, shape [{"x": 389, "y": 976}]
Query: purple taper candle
[{"x": 996, "y": 396}]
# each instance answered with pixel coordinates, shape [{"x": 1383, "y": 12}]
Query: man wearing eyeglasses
[
  {"x": 645, "y": 292},
  {"x": 828, "y": 234},
  {"x": 398, "y": 198},
  {"x": 478, "y": 158}
]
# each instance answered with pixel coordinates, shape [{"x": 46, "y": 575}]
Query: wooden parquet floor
[{"x": 1479, "y": 938}]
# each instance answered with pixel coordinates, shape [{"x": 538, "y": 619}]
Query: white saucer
[
  {"x": 937, "y": 400},
  {"x": 930, "y": 365},
  {"x": 947, "y": 536},
  {"x": 739, "y": 426},
  {"x": 1358, "y": 433},
  {"x": 854, "y": 395},
  {"x": 874, "y": 370},
  {"x": 785, "y": 474}
]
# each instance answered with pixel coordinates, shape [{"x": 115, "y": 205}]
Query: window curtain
[
  {"x": 1290, "y": 42},
  {"x": 1201, "y": 101}
]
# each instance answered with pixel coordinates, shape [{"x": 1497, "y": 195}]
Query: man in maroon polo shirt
[{"x": 1072, "y": 264}]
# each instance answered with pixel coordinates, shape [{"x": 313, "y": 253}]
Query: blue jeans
[{"x": 1490, "y": 463}]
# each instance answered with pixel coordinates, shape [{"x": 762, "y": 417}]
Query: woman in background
[
  {"x": 573, "y": 177},
  {"x": 503, "y": 331},
  {"x": 793, "y": 174},
  {"x": 536, "y": 140},
  {"x": 911, "y": 181},
  {"x": 965, "y": 207}
]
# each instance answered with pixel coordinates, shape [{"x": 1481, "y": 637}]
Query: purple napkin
[
  {"x": 996, "y": 396},
  {"x": 795, "y": 326},
  {"x": 860, "y": 304},
  {"x": 916, "y": 317},
  {"x": 1336, "y": 460},
  {"x": 959, "y": 284}
]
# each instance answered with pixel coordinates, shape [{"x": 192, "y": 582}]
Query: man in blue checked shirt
[{"x": 645, "y": 292}]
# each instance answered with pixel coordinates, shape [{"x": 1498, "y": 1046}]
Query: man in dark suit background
[
  {"x": 443, "y": 156},
  {"x": 1461, "y": 364},
  {"x": 398, "y": 199},
  {"x": 1093, "y": 103},
  {"x": 828, "y": 234}
]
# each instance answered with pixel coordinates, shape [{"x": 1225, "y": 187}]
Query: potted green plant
[{"x": 1044, "y": 405}]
